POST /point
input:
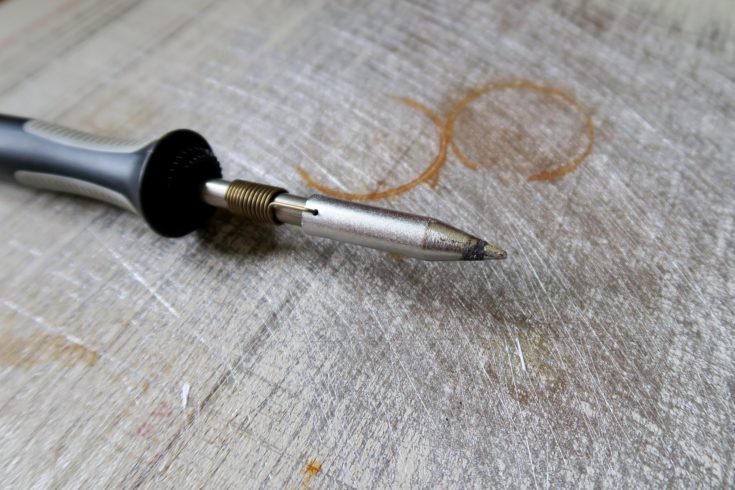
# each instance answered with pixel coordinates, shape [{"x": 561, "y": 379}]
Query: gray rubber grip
[{"x": 159, "y": 180}]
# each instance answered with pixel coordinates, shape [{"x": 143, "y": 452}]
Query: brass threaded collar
[{"x": 252, "y": 200}]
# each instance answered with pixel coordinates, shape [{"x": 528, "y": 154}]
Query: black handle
[{"x": 161, "y": 180}]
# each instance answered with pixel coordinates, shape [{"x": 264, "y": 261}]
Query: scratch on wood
[{"x": 135, "y": 275}]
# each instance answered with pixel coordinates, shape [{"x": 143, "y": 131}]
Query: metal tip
[
  {"x": 493, "y": 252},
  {"x": 478, "y": 249}
]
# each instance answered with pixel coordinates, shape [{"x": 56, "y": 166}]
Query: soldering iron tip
[
  {"x": 493, "y": 252},
  {"x": 453, "y": 244}
]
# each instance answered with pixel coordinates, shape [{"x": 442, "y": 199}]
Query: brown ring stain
[
  {"x": 446, "y": 140},
  {"x": 431, "y": 174},
  {"x": 547, "y": 175}
]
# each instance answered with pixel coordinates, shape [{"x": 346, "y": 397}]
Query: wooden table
[{"x": 593, "y": 140}]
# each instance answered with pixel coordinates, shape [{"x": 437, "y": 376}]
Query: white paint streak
[
  {"x": 185, "y": 394},
  {"x": 520, "y": 354}
]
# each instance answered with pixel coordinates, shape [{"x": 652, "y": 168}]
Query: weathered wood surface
[{"x": 600, "y": 353}]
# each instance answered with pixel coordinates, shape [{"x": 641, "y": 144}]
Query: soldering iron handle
[{"x": 159, "y": 179}]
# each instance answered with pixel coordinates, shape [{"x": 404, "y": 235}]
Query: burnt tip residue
[
  {"x": 482, "y": 250},
  {"x": 475, "y": 251}
]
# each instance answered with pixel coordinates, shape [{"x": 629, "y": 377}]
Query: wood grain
[{"x": 598, "y": 354}]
